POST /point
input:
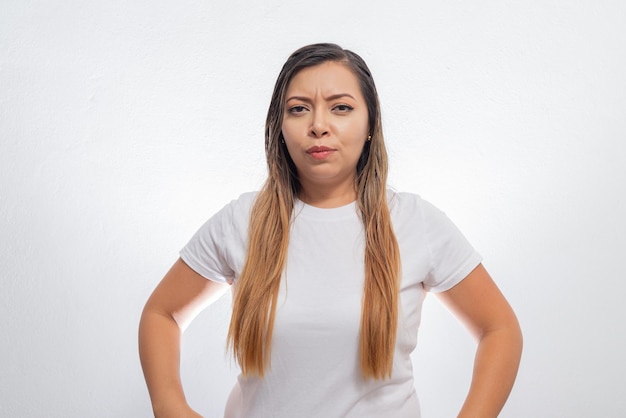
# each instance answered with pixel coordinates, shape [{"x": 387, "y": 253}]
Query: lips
[{"x": 320, "y": 152}]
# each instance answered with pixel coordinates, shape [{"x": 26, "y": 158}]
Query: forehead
[{"x": 327, "y": 78}]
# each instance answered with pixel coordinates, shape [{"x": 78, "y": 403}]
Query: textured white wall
[{"x": 124, "y": 125}]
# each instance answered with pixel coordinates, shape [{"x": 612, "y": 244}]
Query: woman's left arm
[{"x": 478, "y": 303}]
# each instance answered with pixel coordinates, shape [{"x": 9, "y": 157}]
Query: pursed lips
[{"x": 320, "y": 152}]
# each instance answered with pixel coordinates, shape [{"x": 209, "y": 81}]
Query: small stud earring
[{"x": 369, "y": 138}]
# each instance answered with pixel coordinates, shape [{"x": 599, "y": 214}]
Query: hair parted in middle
[{"x": 256, "y": 290}]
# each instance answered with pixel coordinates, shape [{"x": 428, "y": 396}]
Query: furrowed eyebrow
[
  {"x": 329, "y": 98},
  {"x": 339, "y": 96},
  {"x": 299, "y": 98}
]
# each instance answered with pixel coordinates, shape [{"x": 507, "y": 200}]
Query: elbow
[{"x": 506, "y": 334}]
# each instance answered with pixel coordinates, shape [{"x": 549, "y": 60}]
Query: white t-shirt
[{"x": 314, "y": 369}]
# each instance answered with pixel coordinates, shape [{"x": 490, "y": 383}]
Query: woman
[{"x": 328, "y": 268}]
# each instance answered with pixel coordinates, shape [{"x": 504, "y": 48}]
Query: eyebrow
[{"x": 329, "y": 98}]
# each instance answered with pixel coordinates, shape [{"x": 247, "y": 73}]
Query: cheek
[
  {"x": 292, "y": 135},
  {"x": 354, "y": 129},
  {"x": 288, "y": 142},
  {"x": 288, "y": 131}
]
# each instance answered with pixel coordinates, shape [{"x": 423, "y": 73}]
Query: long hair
[{"x": 256, "y": 290}]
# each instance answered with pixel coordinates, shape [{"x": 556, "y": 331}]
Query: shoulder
[
  {"x": 411, "y": 211},
  {"x": 245, "y": 200},
  {"x": 234, "y": 214},
  {"x": 405, "y": 204},
  {"x": 242, "y": 204}
]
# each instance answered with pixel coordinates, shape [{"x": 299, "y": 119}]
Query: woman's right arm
[{"x": 178, "y": 298}]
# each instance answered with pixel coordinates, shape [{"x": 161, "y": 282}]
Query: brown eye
[
  {"x": 343, "y": 108},
  {"x": 297, "y": 109}
]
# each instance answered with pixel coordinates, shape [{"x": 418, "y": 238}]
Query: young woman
[{"x": 328, "y": 269}]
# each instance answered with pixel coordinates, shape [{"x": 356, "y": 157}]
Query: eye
[
  {"x": 294, "y": 110},
  {"x": 343, "y": 108}
]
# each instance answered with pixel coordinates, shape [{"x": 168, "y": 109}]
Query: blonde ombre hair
[{"x": 256, "y": 290}]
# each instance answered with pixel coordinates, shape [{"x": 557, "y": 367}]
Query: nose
[{"x": 319, "y": 124}]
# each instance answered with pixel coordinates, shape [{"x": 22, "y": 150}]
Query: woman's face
[{"x": 325, "y": 126}]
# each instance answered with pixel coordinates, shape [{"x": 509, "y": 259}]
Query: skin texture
[
  {"x": 178, "y": 298},
  {"x": 325, "y": 107},
  {"x": 479, "y": 304}
]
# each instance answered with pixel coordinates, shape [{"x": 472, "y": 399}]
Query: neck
[{"x": 328, "y": 196}]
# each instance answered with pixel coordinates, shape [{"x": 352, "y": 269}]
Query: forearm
[
  {"x": 159, "y": 351},
  {"x": 495, "y": 368}
]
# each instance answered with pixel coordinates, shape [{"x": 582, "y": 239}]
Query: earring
[{"x": 369, "y": 138}]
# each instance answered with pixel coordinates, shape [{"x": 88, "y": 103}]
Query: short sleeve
[
  {"x": 217, "y": 250},
  {"x": 452, "y": 257}
]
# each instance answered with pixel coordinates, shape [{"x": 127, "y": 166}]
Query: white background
[{"x": 125, "y": 124}]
